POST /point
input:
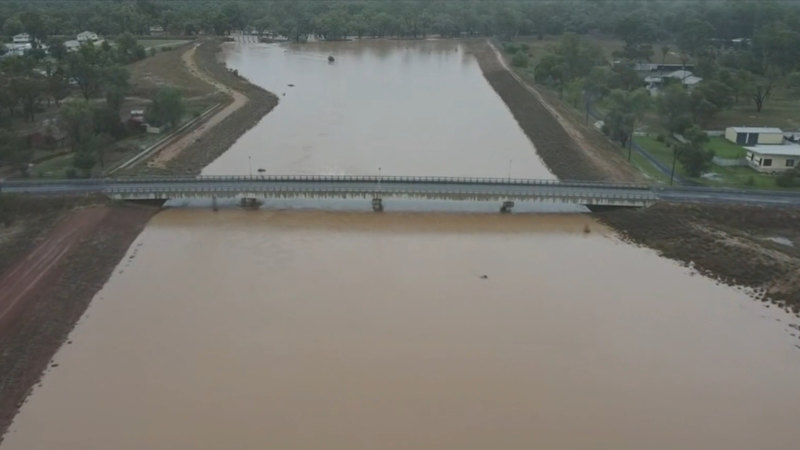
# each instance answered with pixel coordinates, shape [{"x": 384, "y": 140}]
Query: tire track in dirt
[{"x": 173, "y": 149}]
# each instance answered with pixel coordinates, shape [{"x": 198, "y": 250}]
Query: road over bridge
[{"x": 505, "y": 190}]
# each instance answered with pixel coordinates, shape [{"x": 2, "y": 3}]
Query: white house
[
  {"x": 22, "y": 38},
  {"x": 773, "y": 158},
  {"x": 87, "y": 36},
  {"x": 687, "y": 78},
  {"x": 72, "y": 46},
  {"x": 751, "y": 136},
  {"x": 18, "y": 49},
  {"x": 767, "y": 149}
]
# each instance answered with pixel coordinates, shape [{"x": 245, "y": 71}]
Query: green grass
[
  {"x": 723, "y": 148},
  {"x": 736, "y": 176},
  {"x": 156, "y": 43},
  {"x": 54, "y": 167}
]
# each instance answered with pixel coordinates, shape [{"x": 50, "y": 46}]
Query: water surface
[{"x": 349, "y": 330}]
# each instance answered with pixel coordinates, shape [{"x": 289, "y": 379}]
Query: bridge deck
[
  {"x": 503, "y": 189},
  {"x": 585, "y": 193}
]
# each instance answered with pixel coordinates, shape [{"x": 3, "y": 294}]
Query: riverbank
[
  {"x": 758, "y": 248},
  {"x": 247, "y": 104},
  {"x": 56, "y": 254}
]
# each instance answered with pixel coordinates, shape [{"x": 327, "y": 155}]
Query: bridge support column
[
  {"x": 506, "y": 208},
  {"x": 249, "y": 202},
  {"x": 377, "y": 204}
]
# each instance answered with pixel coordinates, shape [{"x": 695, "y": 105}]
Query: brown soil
[
  {"x": 728, "y": 242},
  {"x": 71, "y": 253},
  {"x": 570, "y": 150}
]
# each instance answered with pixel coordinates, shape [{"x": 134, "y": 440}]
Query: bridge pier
[
  {"x": 377, "y": 204},
  {"x": 249, "y": 202},
  {"x": 506, "y": 208}
]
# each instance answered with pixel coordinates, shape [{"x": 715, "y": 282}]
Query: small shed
[{"x": 751, "y": 136}]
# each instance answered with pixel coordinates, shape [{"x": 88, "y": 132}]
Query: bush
[
  {"x": 71, "y": 173},
  {"x": 510, "y": 48},
  {"x": 520, "y": 59},
  {"x": 750, "y": 181},
  {"x": 661, "y": 138},
  {"x": 789, "y": 178}
]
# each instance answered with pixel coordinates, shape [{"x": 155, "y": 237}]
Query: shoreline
[
  {"x": 49, "y": 286},
  {"x": 53, "y": 271},
  {"x": 730, "y": 243}
]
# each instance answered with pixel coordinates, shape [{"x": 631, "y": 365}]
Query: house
[
  {"x": 87, "y": 36},
  {"x": 750, "y": 136},
  {"x": 17, "y": 49},
  {"x": 72, "y": 45},
  {"x": 687, "y": 78},
  {"x": 767, "y": 148},
  {"x": 773, "y": 158},
  {"x": 650, "y": 67},
  {"x": 22, "y": 38},
  {"x": 156, "y": 30}
]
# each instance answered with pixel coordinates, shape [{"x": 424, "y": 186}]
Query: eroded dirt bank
[
  {"x": 249, "y": 110},
  {"x": 57, "y": 253},
  {"x": 749, "y": 246}
]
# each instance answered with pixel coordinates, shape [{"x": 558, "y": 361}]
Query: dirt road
[
  {"x": 174, "y": 148},
  {"x": 44, "y": 294}
]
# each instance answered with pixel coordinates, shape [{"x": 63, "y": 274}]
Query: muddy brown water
[{"x": 298, "y": 329}]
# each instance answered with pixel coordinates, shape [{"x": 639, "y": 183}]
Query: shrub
[
  {"x": 750, "y": 181},
  {"x": 510, "y": 48},
  {"x": 788, "y": 179},
  {"x": 661, "y": 138},
  {"x": 520, "y": 59}
]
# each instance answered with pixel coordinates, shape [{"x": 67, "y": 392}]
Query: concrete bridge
[{"x": 375, "y": 188}]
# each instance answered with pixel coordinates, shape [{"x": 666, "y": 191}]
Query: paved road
[{"x": 590, "y": 193}]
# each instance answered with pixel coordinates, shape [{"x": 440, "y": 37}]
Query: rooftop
[
  {"x": 786, "y": 149},
  {"x": 771, "y": 130}
]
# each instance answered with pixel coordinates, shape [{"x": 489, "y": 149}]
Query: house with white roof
[
  {"x": 17, "y": 48},
  {"x": 767, "y": 149},
  {"x": 22, "y": 38},
  {"x": 87, "y": 36},
  {"x": 72, "y": 45}
]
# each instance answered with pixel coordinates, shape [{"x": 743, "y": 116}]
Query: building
[
  {"x": 22, "y": 38},
  {"x": 156, "y": 30},
  {"x": 87, "y": 36},
  {"x": 17, "y": 49},
  {"x": 767, "y": 148},
  {"x": 750, "y": 136},
  {"x": 72, "y": 46},
  {"x": 773, "y": 158}
]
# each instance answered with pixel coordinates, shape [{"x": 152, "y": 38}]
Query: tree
[
  {"x": 34, "y": 26},
  {"x": 78, "y": 119},
  {"x": 167, "y": 107},
  {"x": 759, "y": 88},
  {"x": 625, "y": 107},
  {"x": 116, "y": 83},
  {"x": 692, "y": 154},
  {"x": 29, "y": 90},
  {"x": 709, "y": 98},
  {"x": 57, "y": 87},
  {"x": 520, "y": 59},
  {"x": 674, "y": 106},
  {"x": 13, "y": 152},
  {"x": 13, "y": 26},
  {"x": 84, "y": 67}
]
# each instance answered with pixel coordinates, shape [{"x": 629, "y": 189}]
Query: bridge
[{"x": 376, "y": 188}]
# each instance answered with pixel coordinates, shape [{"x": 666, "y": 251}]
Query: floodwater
[{"x": 296, "y": 329}]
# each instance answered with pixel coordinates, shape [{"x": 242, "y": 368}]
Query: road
[{"x": 588, "y": 193}]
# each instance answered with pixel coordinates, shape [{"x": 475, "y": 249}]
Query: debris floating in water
[
  {"x": 484, "y": 277},
  {"x": 331, "y": 58}
]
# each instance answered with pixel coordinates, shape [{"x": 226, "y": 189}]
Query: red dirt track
[{"x": 44, "y": 294}]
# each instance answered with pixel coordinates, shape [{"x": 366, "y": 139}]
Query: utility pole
[
  {"x": 250, "y": 163},
  {"x": 509, "y": 168}
]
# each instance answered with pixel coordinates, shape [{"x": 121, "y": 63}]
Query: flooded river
[{"x": 303, "y": 329}]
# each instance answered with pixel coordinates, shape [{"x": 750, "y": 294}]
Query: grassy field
[
  {"x": 165, "y": 68},
  {"x": 156, "y": 43},
  {"x": 723, "y": 148},
  {"x": 780, "y": 110},
  {"x": 737, "y": 176}
]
